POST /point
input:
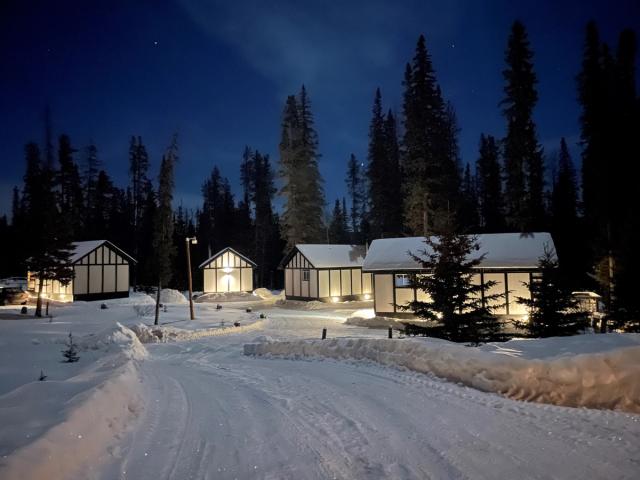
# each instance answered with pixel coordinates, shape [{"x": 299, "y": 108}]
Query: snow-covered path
[{"x": 214, "y": 413}]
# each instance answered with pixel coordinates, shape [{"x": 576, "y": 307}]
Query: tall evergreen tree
[
  {"x": 89, "y": 177},
  {"x": 140, "y": 186},
  {"x": 489, "y": 184},
  {"x": 48, "y": 247},
  {"x": 302, "y": 218},
  {"x": 429, "y": 171},
  {"x": 267, "y": 245},
  {"x": 163, "y": 246},
  {"x": 69, "y": 188},
  {"x": 337, "y": 231},
  {"x": 468, "y": 213},
  {"x": 523, "y": 162},
  {"x": 356, "y": 191}
]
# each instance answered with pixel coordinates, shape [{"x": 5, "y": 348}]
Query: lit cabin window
[
  {"x": 305, "y": 275},
  {"x": 403, "y": 280}
]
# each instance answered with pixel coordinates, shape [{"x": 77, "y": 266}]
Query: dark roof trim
[
  {"x": 225, "y": 250},
  {"x": 118, "y": 250},
  {"x": 290, "y": 255}
]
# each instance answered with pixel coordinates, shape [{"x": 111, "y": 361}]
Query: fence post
[
  {"x": 324, "y": 333},
  {"x": 46, "y": 313},
  {"x": 390, "y": 332}
]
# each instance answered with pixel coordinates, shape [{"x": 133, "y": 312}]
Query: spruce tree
[
  {"x": 489, "y": 184},
  {"x": 456, "y": 309},
  {"x": 356, "y": 191},
  {"x": 566, "y": 227},
  {"x": 468, "y": 212},
  {"x": 267, "y": 244},
  {"x": 139, "y": 185},
  {"x": 337, "y": 231},
  {"x": 163, "y": 247},
  {"x": 48, "y": 248},
  {"x": 393, "y": 188},
  {"x": 552, "y": 309},
  {"x": 302, "y": 218},
  {"x": 429, "y": 166},
  {"x": 69, "y": 189},
  {"x": 523, "y": 162},
  {"x": 89, "y": 178}
]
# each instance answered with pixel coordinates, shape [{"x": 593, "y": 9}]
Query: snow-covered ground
[{"x": 200, "y": 408}]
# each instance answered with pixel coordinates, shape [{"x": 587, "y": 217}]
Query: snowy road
[{"x": 214, "y": 413}]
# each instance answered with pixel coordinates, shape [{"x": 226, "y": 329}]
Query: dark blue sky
[{"x": 218, "y": 72}]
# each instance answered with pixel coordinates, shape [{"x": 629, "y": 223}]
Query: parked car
[{"x": 13, "y": 296}]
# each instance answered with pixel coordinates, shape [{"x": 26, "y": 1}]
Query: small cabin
[
  {"x": 228, "y": 271},
  {"x": 101, "y": 271},
  {"x": 326, "y": 273},
  {"x": 511, "y": 260}
]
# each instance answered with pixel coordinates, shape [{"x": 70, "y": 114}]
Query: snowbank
[
  {"x": 258, "y": 295},
  {"x": 118, "y": 339},
  {"x": 602, "y": 380},
  {"x": 62, "y": 429},
  {"x": 367, "y": 318},
  {"x": 169, "y": 295},
  {"x": 164, "y": 334},
  {"x": 317, "y": 305}
]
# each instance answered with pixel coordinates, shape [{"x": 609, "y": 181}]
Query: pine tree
[
  {"x": 163, "y": 228},
  {"x": 523, "y": 162},
  {"x": 337, "y": 232},
  {"x": 552, "y": 309},
  {"x": 566, "y": 227},
  {"x": 456, "y": 309},
  {"x": 140, "y": 185},
  {"x": 489, "y": 184},
  {"x": 429, "y": 167},
  {"x": 69, "y": 189},
  {"x": 468, "y": 213},
  {"x": 47, "y": 246},
  {"x": 302, "y": 184},
  {"x": 90, "y": 177},
  {"x": 267, "y": 244},
  {"x": 356, "y": 191},
  {"x": 71, "y": 352}
]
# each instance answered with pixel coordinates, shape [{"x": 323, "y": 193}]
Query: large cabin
[
  {"x": 511, "y": 260},
  {"x": 326, "y": 273},
  {"x": 228, "y": 271},
  {"x": 101, "y": 271}
]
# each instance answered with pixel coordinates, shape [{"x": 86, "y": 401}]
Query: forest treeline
[{"x": 410, "y": 182}]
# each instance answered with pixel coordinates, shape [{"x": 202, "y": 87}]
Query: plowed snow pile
[
  {"x": 164, "y": 334},
  {"x": 169, "y": 295},
  {"x": 609, "y": 380},
  {"x": 60, "y": 429}
]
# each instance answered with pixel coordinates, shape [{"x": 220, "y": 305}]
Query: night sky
[{"x": 219, "y": 74}]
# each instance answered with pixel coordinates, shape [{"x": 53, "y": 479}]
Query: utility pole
[{"x": 189, "y": 242}]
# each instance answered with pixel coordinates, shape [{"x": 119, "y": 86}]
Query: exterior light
[
  {"x": 335, "y": 299},
  {"x": 367, "y": 296},
  {"x": 227, "y": 269}
]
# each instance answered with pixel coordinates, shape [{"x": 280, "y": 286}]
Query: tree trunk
[
  {"x": 158, "y": 303},
  {"x": 39, "y": 299}
]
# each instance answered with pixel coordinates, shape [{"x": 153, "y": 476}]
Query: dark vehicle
[{"x": 13, "y": 296}]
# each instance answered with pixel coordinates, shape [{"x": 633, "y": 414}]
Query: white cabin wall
[{"x": 383, "y": 300}]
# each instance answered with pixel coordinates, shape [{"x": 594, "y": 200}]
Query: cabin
[
  {"x": 511, "y": 260},
  {"x": 101, "y": 271},
  {"x": 228, "y": 271},
  {"x": 326, "y": 273}
]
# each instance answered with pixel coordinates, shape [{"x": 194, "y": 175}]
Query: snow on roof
[
  {"x": 80, "y": 249},
  {"x": 502, "y": 250},
  {"x": 333, "y": 256}
]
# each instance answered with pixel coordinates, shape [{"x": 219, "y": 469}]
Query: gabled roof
[
  {"x": 502, "y": 250},
  {"x": 328, "y": 256},
  {"x": 81, "y": 249},
  {"x": 225, "y": 250}
]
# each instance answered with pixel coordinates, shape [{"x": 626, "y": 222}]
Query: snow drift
[
  {"x": 61, "y": 429},
  {"x": 164, "y": 334},
  {"x": 169, "y": 295},
  {"x": 609, "y": 380}
]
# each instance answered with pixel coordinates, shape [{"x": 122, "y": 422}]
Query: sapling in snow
[{"x": 71, "y": 352}]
